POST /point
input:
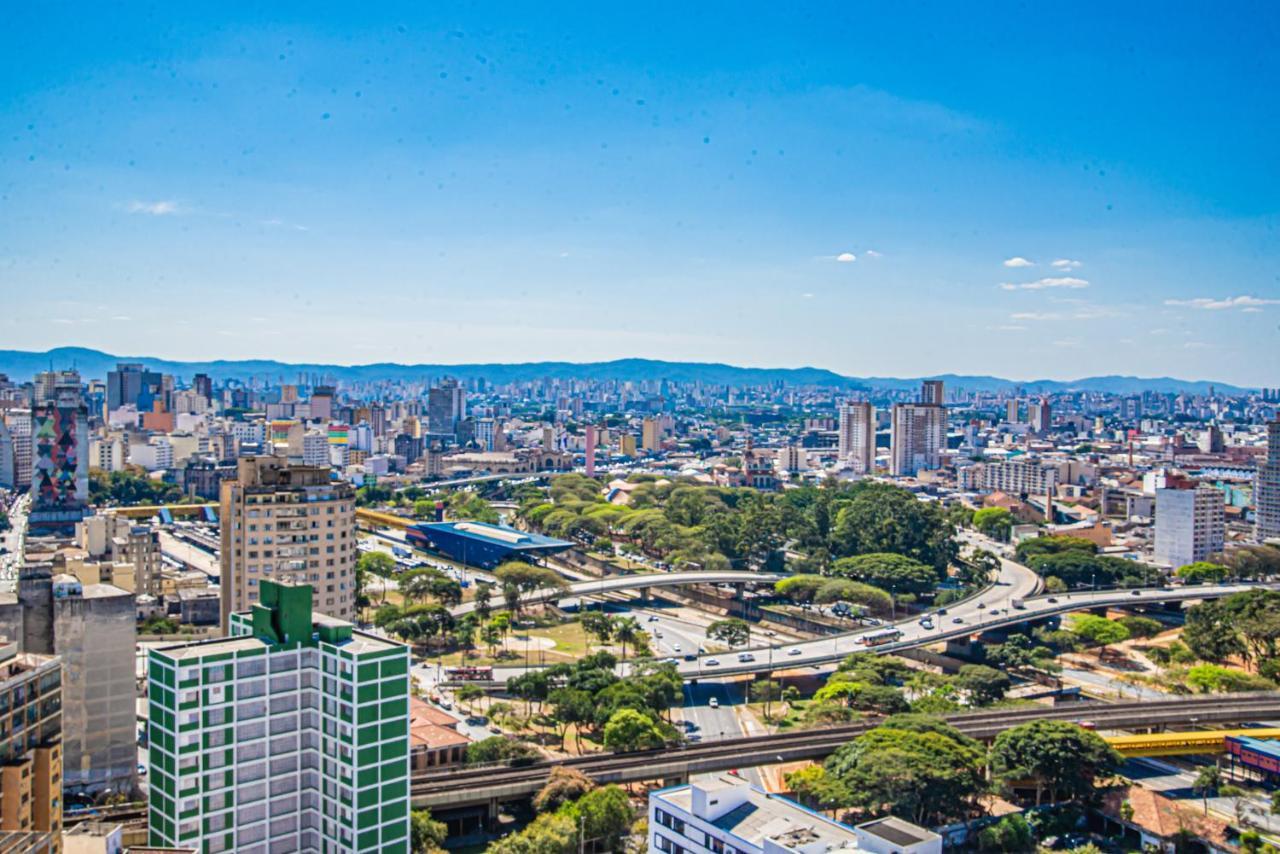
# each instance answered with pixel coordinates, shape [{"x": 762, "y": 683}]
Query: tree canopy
[
  {"x": 912, "y": 766},
  {"x": 1062, "y": 758}
]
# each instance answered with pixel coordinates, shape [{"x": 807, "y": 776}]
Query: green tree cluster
[
  {"x": 129, "y": 487},
  {"x": 1244, "y": 625}
]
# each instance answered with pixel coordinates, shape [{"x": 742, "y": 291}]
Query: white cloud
[
  {"x": 1008, "y": 327},
  {"x": 807, "y": 296},
  {"x": 1253, "y": 309},
  {"x": 162, "y": 208},
  {"x": 1070, "y": 343},
  {"x": 1065, "y": 264},
  {"x": 1210, "y": 304},
  {"x": 1018, "y": 261},
  {"x": 1194, "y": 345},
  {"x": 121, "y": 317},
  {"x": 1034, "y": 315},
  {"x": 871, "y": 253},
  {"x": 1049, "y": 282},
  {"x": 846, "y": 257}
]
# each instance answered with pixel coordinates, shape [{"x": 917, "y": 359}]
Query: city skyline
[{"x": 1056, "y": 192}]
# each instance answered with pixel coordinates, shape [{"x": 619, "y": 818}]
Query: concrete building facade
[
  {"x": 30, "y": 741},
  {"x": 1267, "y": 490},
  {"x": 857, "y": 436},
  {"x": 918, "y": 437},
  {"x": 282, "y": 521},
  {"x": 1190, "y": 525}
]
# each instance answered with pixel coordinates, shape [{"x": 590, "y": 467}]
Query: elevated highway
[
  {"x": 991, "y": 609},
  {"x": 469, "y": 787},
  {"x": 615, "y": 584}
]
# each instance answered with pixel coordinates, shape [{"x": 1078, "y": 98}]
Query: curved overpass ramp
[
  {"x": 991, "y": 609},
  {"x": 597, "y": 587}
]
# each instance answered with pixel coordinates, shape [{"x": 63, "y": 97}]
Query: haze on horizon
[{"x": 1045, "y": 193}]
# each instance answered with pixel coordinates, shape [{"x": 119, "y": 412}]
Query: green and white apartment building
[{"x": 291, "y": 734}]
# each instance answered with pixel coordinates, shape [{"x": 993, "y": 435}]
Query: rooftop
[
  {"x": 760, "y": 816},
  {"x": 497, "y": 534}
]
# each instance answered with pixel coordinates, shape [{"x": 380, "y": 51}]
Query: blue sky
[{"x": 848, "y": 187}]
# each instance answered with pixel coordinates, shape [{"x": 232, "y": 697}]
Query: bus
[
  {"x": 880, "y": 636},
  {"x": 475, "y": 673}
]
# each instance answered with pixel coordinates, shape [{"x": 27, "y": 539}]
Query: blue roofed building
[{"x": 481, "y": 544}]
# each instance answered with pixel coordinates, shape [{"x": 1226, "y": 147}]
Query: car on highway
[
  {"x": 744, "y": 657},
  {"x": 795, "y": 650},
  {"x": 689, "y": 656},
  {"x": 713, "y": 703},
  {"x": 982, "y": 605},
  {"x": 957, "y": 619},
  {"x": 1135, "y": 592},
  {"x": 675, "y": 646},
  {"x": 1052, "y": 600},
  {"x": 712, "y": 662}
]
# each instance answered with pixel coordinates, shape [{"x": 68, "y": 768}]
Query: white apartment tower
[
  {"x": 1267, "y": 492},
  {"x": 857, "y": 436},
  {"x": 1190, "y": 524}
]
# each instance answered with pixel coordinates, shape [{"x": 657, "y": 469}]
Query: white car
[
  {"x": 712, "y": 662},
  {"x": 744, "y": 657},
  {"x": 675, "y": 647},
  {"x": 713, "y": 703},
  {"x": 795, "y": 650}
]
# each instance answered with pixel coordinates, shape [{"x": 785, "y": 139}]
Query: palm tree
[
  {"x": 625, "y": 631},
  {"x": 1208, "y": 780}
]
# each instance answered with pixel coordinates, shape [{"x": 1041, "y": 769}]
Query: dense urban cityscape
[
  {"x": 298, "y": 613},
  {"x": 663, "y": 428}
]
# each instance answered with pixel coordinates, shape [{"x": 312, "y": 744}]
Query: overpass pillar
[{"x": 491, "y": 815}]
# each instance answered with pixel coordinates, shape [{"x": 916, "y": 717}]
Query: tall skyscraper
[
  {"x": 282, "y": 521},
  {"x": 918, "y": 437},
  {"x": 60, "y": 458},
  {"x": 291, "y": 734},
  {"x": 857, "y": 436},
  {"x": 931, "y": 392},
  {"x": 1190, "y": 524},
  {"x": 1011, "y": 411},
  {"x": 446, "y": 406},
  {"x": 651, "y": 435},
  {"x": 132, "y": 384},
  {"x": 1041, "y": 416},
  {"x": 1266, "y": 494},
  {"x": 591, "y": 450},
  {"x": 202, "y": 384},
  {"x": 30, "y": 741}
]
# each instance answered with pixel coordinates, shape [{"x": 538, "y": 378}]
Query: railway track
[{"x": 483, "y": 784}]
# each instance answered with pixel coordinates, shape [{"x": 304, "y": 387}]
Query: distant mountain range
[{"x": 94, "y": 364}]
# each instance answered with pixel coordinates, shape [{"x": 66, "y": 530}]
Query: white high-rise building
[
  {"x": 1190, "y": 525},
  {"x": 315, "y": 448},
  {"x": 1266, "y": 495},
  {"x": 857, "y": 436},
  {"x": 919, "y": 435}
]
